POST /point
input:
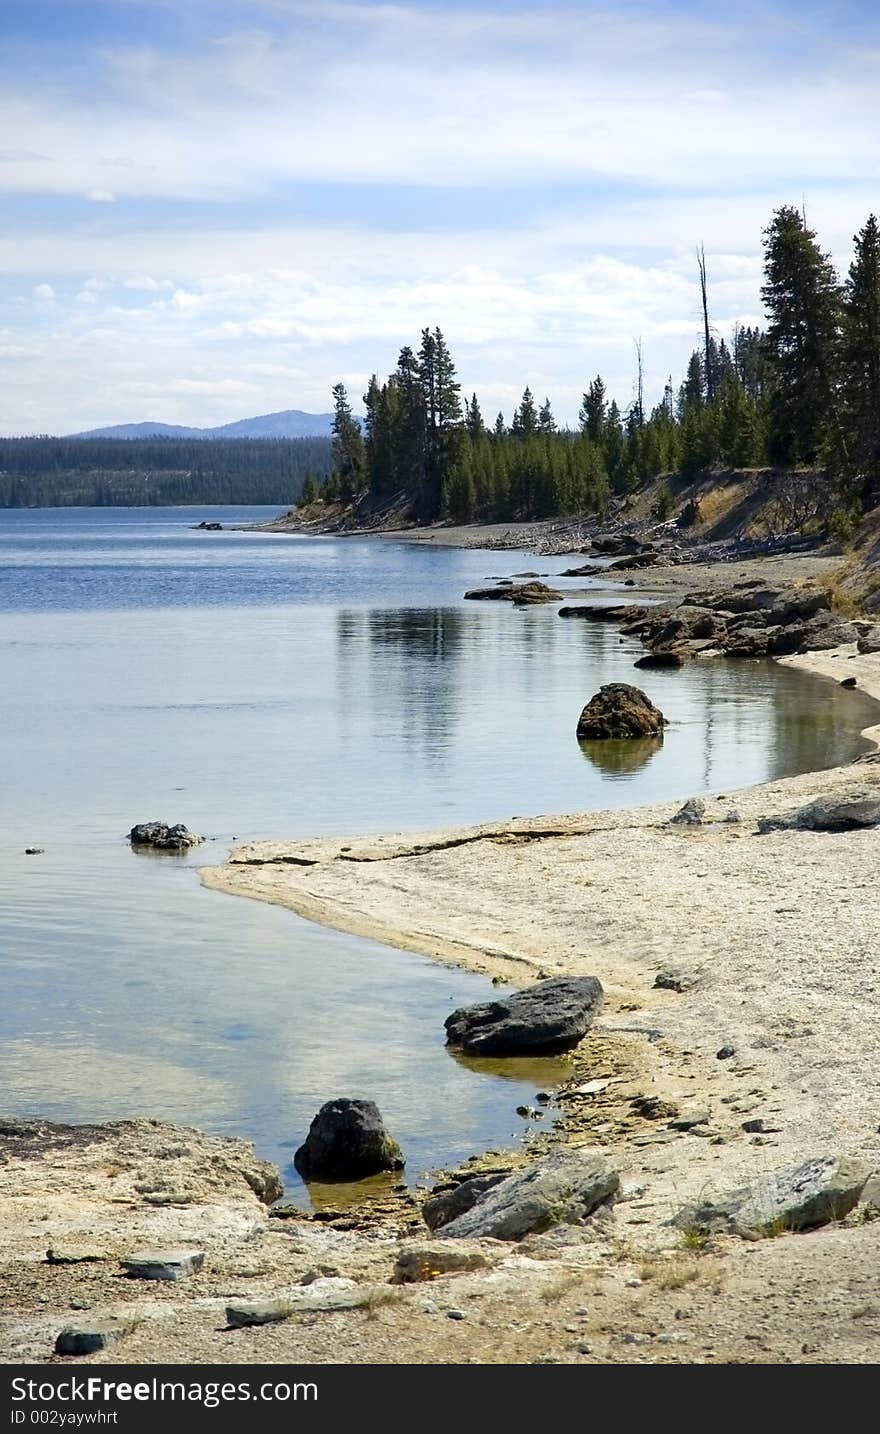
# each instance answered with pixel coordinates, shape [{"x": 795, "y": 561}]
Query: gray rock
[
  {"x": 691, "y": 814},
  {"x": 163, "y": 1264},
  {"x": 564, "y": 1187},
  {"x": 425, "y": 1262},
  {"x": 848, "y": 682},
  {"x": 519, "y": 593},
  {"x": 448, "y": 1204},
  {"x": 796, "y": 1198},
  {"x": 347, "y": 1140},
  {"x": 89, "y": 1336},
  {"x": 242, "y": 1313},
  {"x": 677, "y": 978},
  {"x": 662, "y": 657},
  {"x": 162, "y": 837},
  {"x": 689, "y": 1119},
  {"x": 845, "y": 812},
  {"x": 619, "y": 710},
  {"x": 869, "y": 641},
  {"x": 552, "y": 1015},
  {"x": 726, "y": 1053},
  {"x": 819, "y": 634}
]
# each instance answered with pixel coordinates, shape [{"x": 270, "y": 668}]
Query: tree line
[
  {"x": 134, "y": 472},
  {"x": 804, "y": 391}
]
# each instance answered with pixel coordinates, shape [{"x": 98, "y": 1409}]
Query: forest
[
  {"x": 802, "y": 392},
  {"x": 136, "y": 472}
]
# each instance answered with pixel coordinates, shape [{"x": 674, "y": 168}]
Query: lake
[{"x": 256, "y": 685}]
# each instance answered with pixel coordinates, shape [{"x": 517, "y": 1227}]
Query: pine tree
[
  {"x": 525, "y": 419},
  {"x": 592, "y": 414},
  {"x": 802, "y": 298},
  {"x": 348, "y": 447},
  {"x": 546, "y": 421},
  {"x": 473, "y": 420},
  {"x": 860, "y": 366},
  {"x": 499, "y": 429}
]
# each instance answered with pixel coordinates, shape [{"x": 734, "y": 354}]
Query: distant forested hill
[{"x": 112, "y": 472}]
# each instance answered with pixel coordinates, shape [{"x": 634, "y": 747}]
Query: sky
[{"x": 218, "y": 208}]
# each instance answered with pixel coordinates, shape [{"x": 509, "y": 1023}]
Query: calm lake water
[{"x": 255, "y": 685}]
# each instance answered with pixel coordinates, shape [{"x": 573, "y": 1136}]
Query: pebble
[
  {"x": 35, "y": 851},
  {"x": 725, "y": 1053},
  {"x": 677, "y": 1337},
  {"x": 456, "y": 1314},
  {"x": 163, "y": 1264},
  {"x": 635, "y": 1338}
]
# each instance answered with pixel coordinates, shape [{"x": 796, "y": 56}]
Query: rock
[
  {"x": 89, "y": 1336},
  {"x": 347, "y": 1140},
  {"x": 564, "y": 1187},
  {"x": 689, "y": 1119},
  {"x": 619, "y": 544},
  {"x": 677, "y": 979},
  {"x": 34, "y": 850},
  {"x": 426, "y": 1262},
  {"x": 848, "y": 812},
  {"x": 552, "y": 1015},
  {"x": 732, "y": 817},
  {"x": 726, "y": 1053},
  {"x": 848, "y": 682},
  {"x": 796, "y": 1198},
  {"x": 619, "y": 710},
  {"x": 163, "y": 1264},
  {"x": 242, "y": 1313},
  {"x": 163, "y": 837},
  {"x": 636, "y": 560},
  {"x": 588, "y": 570},
  {"x": 521, "y": 593},
  {"x": 595, "y": 613},
  {"x": 652, "y": 1107},
  {"x": 456, "y": 1314},
  {"x": 531, "y": 593},
  {"x": 869, "y": 641},
  {"x": 869, "y": 1200},
  {"x": 74, "y": 1255},
  {"x": 819, "y": 634},
  {"x": 447, "y": 1205},
  {"x": 691, "y": 814},
  {"x": 661, "y": 657}
]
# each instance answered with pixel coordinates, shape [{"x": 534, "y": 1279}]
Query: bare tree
[{"x": 710, "y": 366}]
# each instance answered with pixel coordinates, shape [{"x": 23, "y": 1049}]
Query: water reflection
[{"x": 619, "y": 757}]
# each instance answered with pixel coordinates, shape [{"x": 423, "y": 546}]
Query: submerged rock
[
  {"x": 552, "y": 1015},
  {"x": 848, "y": 812},
  {"x": 347, "y": 1140},
  {"x": 163, "y": 837},
  {"x": 565, "y": 1187},
  {"x": 619, "y": 710},
  {"x": 796, "y": 1198}
]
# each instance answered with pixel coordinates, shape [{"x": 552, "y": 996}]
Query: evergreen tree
[
  {"x": 473, "y": 420},
  {"x": 500, "y": 428},
  {"x": 592, "y": 414},
  {"x": 859, "y": 460},
  {"x": 546, "y": 421},
  {"x": 802, "y": 298},
  {"x": 525, "y": 419},
  {"x": 348, "y": 447}
]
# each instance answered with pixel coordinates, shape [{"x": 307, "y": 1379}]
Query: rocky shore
[{"x": 710, "y": 1192}]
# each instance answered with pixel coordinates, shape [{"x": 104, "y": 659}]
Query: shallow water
[{"x": 255, "y": 685}]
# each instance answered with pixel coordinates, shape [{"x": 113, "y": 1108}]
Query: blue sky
[{"x": 218, "y": 207}]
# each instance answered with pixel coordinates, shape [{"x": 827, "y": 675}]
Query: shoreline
[{"x": 773, "y": 937}]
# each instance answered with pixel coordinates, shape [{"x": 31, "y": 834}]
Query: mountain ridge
[{"x": 287, "y": 423}]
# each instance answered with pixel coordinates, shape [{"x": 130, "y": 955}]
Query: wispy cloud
[{"x": 246, "y": 189}]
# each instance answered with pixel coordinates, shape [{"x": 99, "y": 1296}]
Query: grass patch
[
  {"x": 694, "y": 1238},
  {"x": 378, "y": 1297},
  {"x": 668, "y": 1274}
]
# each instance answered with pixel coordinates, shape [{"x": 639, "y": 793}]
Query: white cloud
[
  {"x": 45, "y": 293},
  {"x": 101, "y": 196}
]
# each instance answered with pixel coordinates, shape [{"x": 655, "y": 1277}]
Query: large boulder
[
  {"x": 445, "y": 1205},
  {"x": 347, "y": 1140},
  {"x": 594, "y": 612},
  {"x": 564, "y": 1187},
  {"x": 845, "y": 812},
  {"x": 798, "y": 1197},
  {"x": 619, "y": 710},
  {"x": 552, "y": 1015},
  {"x": 163, "y": 837},
  {"x": 816, "y": 634}
]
